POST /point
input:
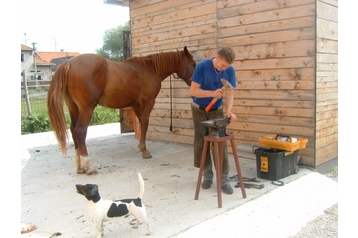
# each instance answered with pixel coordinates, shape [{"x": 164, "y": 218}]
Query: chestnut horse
[{"x": 89, "y": 80}]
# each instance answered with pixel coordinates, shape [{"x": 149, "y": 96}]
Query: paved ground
[{"x": 49, "y": 200}]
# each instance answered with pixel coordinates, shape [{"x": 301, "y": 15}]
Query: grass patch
[{"x": 38, "y": 121}]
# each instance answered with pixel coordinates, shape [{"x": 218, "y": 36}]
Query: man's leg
[
  {"x": 225, "y": 180},
  {"x": 199, "y": 132},
  {"x": 208, "y": 174}
]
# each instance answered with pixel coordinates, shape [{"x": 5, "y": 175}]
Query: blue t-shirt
[{"x": 209, "y": 79}]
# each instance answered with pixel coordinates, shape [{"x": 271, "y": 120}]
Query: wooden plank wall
[
  {"x": 327, "y": 81},
  {"x": 275, "y": 45},
  {"x": 161, "y": 26},
  {"x": 275, "y": 68}
]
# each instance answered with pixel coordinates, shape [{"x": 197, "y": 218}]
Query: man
[{"x": 206, "y": 84}]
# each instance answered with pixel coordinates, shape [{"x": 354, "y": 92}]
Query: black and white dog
[{"x": 102, "y": 210}]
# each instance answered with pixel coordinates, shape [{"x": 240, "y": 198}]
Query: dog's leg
[
  {"x": 143, "y": 219},
  {"x": 135, "y": 223},
  {"x": 149, "y": 228},
  {"x": 99, "y": 228}
]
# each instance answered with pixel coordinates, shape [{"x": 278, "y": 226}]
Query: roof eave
[{"x": 123, "y": 3}]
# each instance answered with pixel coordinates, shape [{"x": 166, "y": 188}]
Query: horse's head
[{"x": 187, "y": 66}]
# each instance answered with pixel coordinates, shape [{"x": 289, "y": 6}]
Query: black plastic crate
[{"x": 274, "y": 164}]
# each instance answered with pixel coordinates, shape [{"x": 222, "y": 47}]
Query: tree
[{"x": 113, "y": 43}]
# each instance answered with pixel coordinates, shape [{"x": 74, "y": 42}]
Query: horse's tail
[{"x": 55, "y": 105}]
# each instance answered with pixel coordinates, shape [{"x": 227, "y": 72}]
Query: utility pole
[
  {"x": 55, "y": 39},
  {"x": 26, "y": 92},
  {"x": 34, "y": 57}
]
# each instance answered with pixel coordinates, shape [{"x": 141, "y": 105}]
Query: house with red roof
[{"x": 43, "y": 63}]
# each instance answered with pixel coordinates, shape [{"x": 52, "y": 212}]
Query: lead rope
[{"x": 171, "y": 107}]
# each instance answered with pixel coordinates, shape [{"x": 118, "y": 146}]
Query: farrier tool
[
  {"x": 227, "y": 86},
  {"x": 251, "y": 185},
  {"x": 248, "y": 182}
]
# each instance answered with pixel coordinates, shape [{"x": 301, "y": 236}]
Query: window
[{"x": 22, "y": 58}]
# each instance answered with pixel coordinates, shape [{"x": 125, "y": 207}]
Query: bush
[
  {"x": 36, "y": 123},
  {"x": 102, "y": 115},
  {"x": 40, "y": 122}
]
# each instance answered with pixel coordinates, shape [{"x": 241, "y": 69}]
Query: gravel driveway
[{"x": 325, "y": 225}]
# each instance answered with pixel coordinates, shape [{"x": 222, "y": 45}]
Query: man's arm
[
  {"x": 196, "y": 91},
  {"x": 229, "y": 102}
]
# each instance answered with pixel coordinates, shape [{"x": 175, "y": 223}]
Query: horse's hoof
[
  {"x": 81, "y": 171},
  {"x": 146, "y": 155},
  {"x": 91, "y": 172}
]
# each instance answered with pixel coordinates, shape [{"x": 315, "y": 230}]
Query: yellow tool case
[{"x": 283, "y": 142}]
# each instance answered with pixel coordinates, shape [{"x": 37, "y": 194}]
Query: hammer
[{"x": 227, "y": 86}]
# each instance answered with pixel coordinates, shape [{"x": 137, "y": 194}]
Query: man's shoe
[
  {"x": 206, "y": 184},
  {"x": 227, "y": 189}
]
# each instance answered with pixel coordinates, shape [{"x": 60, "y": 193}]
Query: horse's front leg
[
  {"x": 143, "y": 117},
  {"x": 143, "y": 133}
]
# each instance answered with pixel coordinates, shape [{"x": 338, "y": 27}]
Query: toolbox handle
[
  {"x": 283, "y": 135},
  {"x": 254, "y": 148}
]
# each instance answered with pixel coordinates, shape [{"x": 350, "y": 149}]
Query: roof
[
  {"x": 117, "y": 2},
  {"x": 26, "y": 48},
  {"x": 49, "y": 56},
  {"x": 57, "y": 61},
  {"x": 39, "y": 61}
]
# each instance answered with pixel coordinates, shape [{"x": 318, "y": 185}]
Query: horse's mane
[{"x": 162, "y": 62}]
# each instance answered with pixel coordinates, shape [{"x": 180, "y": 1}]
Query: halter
[{"x": 186, "y": 68}]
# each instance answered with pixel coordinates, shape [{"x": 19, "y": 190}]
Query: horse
[{"x": 88, "y": 80}]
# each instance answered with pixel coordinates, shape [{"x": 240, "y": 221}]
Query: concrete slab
[{"x": 49, "y": 198}]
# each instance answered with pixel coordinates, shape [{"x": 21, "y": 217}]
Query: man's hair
[{"x": 227, "y": 54}]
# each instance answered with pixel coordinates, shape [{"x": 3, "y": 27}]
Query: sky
[{"x": 71, "y": 25}]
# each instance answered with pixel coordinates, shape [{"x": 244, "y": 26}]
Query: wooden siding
[
  {"x": 277, "y": 44},
  {"x": 327, "y": 81},
  {"x": 160, "y": 26}
]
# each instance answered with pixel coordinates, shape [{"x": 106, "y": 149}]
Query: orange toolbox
[{"x": 283, "y": 142}]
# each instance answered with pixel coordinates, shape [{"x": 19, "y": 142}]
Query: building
[
  {"x": 44, "y": 62},
  {"x": 286, "y": 66}
]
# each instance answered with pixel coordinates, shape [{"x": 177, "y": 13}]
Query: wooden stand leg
[
  {"x": 242, "y": 186},
  {"x": 218, "y": 163}
]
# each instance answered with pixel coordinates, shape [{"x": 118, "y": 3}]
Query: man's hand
[
  {"x": 232, "y": 116},
  {"x": 218, "y": 93}
]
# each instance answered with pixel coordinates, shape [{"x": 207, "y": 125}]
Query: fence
[
  {"x": 33, "y": 97},
  {"x": 34, "y": 101}
]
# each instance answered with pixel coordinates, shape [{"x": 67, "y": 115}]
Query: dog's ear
[{"x": 91, "y": 189}]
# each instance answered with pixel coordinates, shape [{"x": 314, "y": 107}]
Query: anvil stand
[{"x": 218, "y": 136}]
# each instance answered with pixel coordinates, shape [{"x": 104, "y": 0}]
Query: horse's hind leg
[
  {"x": 79, "y": 125},
  {"x": 74, "y": 113},
  {"x": 80, "y": 132}
]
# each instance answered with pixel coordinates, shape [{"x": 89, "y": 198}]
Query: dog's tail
[{"x": 141, "y": 186}]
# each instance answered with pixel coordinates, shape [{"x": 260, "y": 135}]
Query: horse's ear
[{"x": 186, "y": 52}]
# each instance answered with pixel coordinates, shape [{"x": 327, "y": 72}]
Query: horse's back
[
  {"x": 87, "y": 70},
  {"x": 101, "y": 81},
  {"x": 87, "y": 62}
]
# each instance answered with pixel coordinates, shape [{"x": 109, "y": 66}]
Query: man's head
[
  {"x": 227, "y": 54},
  {"x": 224, "y": 58}
]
